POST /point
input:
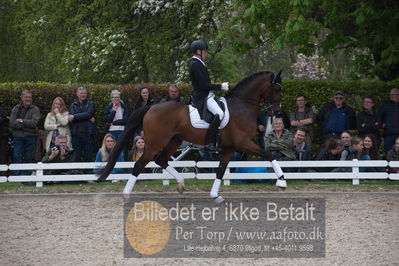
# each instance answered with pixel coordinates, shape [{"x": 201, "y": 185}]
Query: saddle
[{"x": 203, "y": 121}]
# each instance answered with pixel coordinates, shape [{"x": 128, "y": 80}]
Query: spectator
[
  {"x": 57, "y": 123},
  {"x": 174, "y": 95},
  {"x": 336, "y": 117},
  {"x": 4, "y": 148},
  {"x": 346, "y": 138},
  {"x": 389, "y": 113},
  {"x": 265, "y": 120},
  {"x": 368, "y": 121},
  {"x": 279, "y": 141},
  {"x": 144, "y": 100},
  {"x": 302, "y": 116},
  {"x": 302, "y": 150},
  {"x": 23, "y": 123},
  {"x": 331, "y": 152},
  {"x": 104, "y": 152},
  {"x": 83, "y": 127},
  {"x": 59, "y": 153},
  {"x": 137, "y": 149},
  {"x": 355, "y": 152},
  {"x": 393, "y": 155},
  {"x": 115, "y": 115},
  {"x": 370, "y": 148}
]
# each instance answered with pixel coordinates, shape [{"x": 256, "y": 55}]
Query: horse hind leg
[
  {"x": 224, "y": 161},
  {"x": 162, "y": 160}
]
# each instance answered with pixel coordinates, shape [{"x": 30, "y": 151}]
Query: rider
[{"x": 203, "y": 92}]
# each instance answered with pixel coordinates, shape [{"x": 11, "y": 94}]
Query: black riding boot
[{"x": 211, "y": 139}]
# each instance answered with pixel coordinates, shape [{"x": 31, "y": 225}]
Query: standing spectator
[
  {"x": 83, "y": 127},
  {"x": 57, "y": 123},
  {"x": 23, "y": 123},
  {"x": 331, "y": 152},
  {"x": 393, "y": 155},
  {"x": 104, "y": 152},
  {"x": 115, "y": 115},
  {"x": 137, "y": 149},
  {"x": 4, "y": 149},
  {"x": 302, "y": 116},
  {"x": 368, "y": 121},
  {"x": 265, "y": 120},
  {"x": 144, "y": 100},
  {"x": 336, "y": 117},
  {"x": 174, "y": 95},
  {"x": 279, "y": 142},
  {"x": 389, "y": 113}
]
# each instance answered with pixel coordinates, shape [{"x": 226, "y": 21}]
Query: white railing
[{"x": 191, "y": 168}]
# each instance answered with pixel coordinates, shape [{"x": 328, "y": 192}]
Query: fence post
[
  {"x": 39, "y": 174},
  {"x": 226, "y": 182},
  {"x": 355, "y": 171}
]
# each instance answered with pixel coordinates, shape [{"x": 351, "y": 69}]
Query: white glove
[{"x": 225, "y": 86}]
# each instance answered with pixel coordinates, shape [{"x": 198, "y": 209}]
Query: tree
[{"x": 363, "y": 29}]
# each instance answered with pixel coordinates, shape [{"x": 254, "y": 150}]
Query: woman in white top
[{"x": 56, "y": 123}]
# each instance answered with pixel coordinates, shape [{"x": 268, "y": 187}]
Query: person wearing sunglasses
[{"x": 336, "y": 117}]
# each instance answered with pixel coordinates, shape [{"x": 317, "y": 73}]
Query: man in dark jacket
[
  {"x": 368, "y": 121},
  {"x": 336, "y": 117},
  {"x": 389, "y": 113},
  {"x": 174, "y": 95},
  {"x": 203, "y": 91},
  {"x": 4, "y": 148},
  {"x": 83, "y": 127},
  {"x": 23, "y": 124}
]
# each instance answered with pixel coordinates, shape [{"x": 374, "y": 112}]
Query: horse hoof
[
  {"x": 219, "y": 200},
  {"x": 181, "y": 187},
  {"x": 281, "y": 183}
]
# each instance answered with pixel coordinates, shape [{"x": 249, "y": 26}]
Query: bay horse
[{"x": 166, "y": 125}]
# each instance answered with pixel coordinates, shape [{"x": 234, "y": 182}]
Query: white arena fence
[{"x": 194, "y": 170}]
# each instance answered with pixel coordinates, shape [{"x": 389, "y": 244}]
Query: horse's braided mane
[{"x": 246, "y": 81}]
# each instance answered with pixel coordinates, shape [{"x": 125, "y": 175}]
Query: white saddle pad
[{"x": 198, "y": 123}]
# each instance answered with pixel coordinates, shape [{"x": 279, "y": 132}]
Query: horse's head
[{"x": 272, "y": 88}]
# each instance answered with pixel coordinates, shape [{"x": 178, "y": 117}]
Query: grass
[{"x": 201, "y": 185}]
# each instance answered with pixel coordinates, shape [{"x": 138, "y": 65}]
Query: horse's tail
[{"x": 135, "y": 120}]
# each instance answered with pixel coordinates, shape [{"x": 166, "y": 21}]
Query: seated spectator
[
  {"x": 346, "y": 138},
  {"x": 57, "y": 123},
  {"x": 389, "y": 113},
  {"x": 368, "y": 121},
  {"x": 302, "y": 116},
  {"x": 355, "y": 152},
  {"x": 265, "y": 119},
  {"x": 105, "y": 151},
  {"x": 279, "y": 142},
  {"x": 302, "y": 150},
  {"x": 137, "y": 149},
  {"x": 393, "y": 155},
  {"x": 115, "y": 115},
  {"x": 331, "y": 152},
  {"x": 59, "y": 153},
  {"x": 370, "y": 148},
  {"x": 174, "y": 95},
  {"x": 23, "y": 124},
  {"x": 143, "y": 100},
  {"x": 336, "y": 117}
]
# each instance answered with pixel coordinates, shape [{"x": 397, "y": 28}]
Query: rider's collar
[{"x": 199, "y": 59}]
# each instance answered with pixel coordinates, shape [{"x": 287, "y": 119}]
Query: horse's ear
[{"x": 277, "y": 77}]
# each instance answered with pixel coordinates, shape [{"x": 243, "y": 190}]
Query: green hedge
[{"x": 318, "y": 93}]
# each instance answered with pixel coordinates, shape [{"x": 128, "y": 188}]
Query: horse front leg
[
  {"x": 252, "y": 148},
  {"x": 224, "y": 161}
]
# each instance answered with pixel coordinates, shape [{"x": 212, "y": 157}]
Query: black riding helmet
[{"x": 198, "y": 45}]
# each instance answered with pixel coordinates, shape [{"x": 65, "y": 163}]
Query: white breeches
[{"x": 212, "y": 106}]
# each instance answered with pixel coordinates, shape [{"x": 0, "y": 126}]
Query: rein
[{"x": 251, "y": 101}]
